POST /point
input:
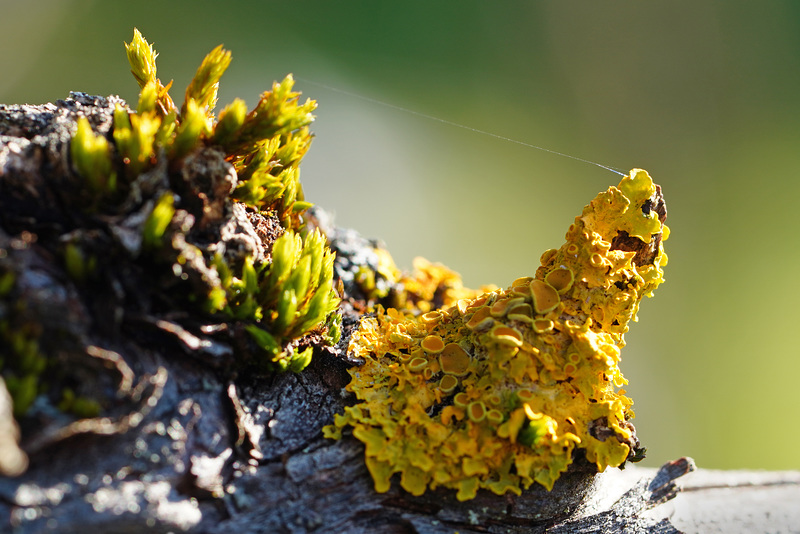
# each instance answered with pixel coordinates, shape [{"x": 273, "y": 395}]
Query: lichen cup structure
[{"x": 506, "y": 388}]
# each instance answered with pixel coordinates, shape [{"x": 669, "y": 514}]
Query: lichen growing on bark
[{"x": 499, "y": 390}]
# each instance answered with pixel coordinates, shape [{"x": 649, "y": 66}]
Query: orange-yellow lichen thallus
[{"x": 497, "y": 391}]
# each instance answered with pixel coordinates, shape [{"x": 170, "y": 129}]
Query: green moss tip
[{"x": 91, "y": 156}]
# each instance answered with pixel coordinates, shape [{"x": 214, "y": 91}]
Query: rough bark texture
[{"x": 190, "y": 445}]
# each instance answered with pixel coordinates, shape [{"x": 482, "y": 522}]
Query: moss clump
[
  {"x": 22, "y": 361},
  {"x": 281, "y": 300},
  {"x": 167, "y": 214},
  {"x": 497, "y": 391},
  {"x": 26, "y": 346},
  {"x": 290, "y": 297}
]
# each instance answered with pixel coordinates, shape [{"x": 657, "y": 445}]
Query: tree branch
[{"x": 186, "y": 440}]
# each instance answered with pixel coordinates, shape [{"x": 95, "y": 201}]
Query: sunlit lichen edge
[{"x": 498, "y": 391}]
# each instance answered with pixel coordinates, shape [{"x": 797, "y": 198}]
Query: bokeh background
[{"x": 704, "y": 95}]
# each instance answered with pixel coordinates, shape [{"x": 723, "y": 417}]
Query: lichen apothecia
[{"x": 500, "y": 390}]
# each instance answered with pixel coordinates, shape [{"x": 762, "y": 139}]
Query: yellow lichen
[
  {"x": 544, "y": 296},
  {"x": 560, "y": 279},
  {"x": 497, "y": 390},
  {"x": 454, "y": 360},
  {"x": 429, "y": 286},
  {"x": 432, "y": 344}
]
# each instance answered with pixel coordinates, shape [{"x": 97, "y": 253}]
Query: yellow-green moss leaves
[
  {"x": 205, "y": 84},
  {"x": 282, "y": 300},
  {"x": 166, "y": 211},
  {"x": 265, "y": 146},
  {"x": 190, "y": 130},
  {"x": 142, "y": 59},
  {"x": 270, "y": 178},
  {"x": 26, "y": 367},
  {"x": 231, "y": 119},
  {"x": 157, "y": 222},
  {"x": 301, "y": 280},
  {"x": 77, "y": 263},
  {"x": 278, "y": 112},
  {"x": 134, "y": 137},
  {"x": 287, "y": 299},
  {"x": 22, "y": 366},
  {"x": 91, "y": 155},
  {"x": 496, "y": 391}
]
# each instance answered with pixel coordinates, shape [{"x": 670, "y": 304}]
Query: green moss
[
  {"x": 282, "y": 300},
  {"x": 158, "y": 221},
  {"x": 79, "y": 266},
  {"x": 7, "y": 279},
  {"x": 205, "y": 84},
  {"x": 26, "y": 367},
  {"x": 21, "y": 361},
  {"x": 155, "y": 194},
  {"x": 92, "y": 157},
  {"x": 288, "y": 298}
]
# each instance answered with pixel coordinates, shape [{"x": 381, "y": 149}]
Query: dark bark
[{"x": 189, "y": 441}]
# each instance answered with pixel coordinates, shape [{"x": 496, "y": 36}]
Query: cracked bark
[{"x": 189, "y": 445}]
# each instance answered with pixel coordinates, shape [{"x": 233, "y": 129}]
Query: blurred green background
[{"x": 704, "y": 95}]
